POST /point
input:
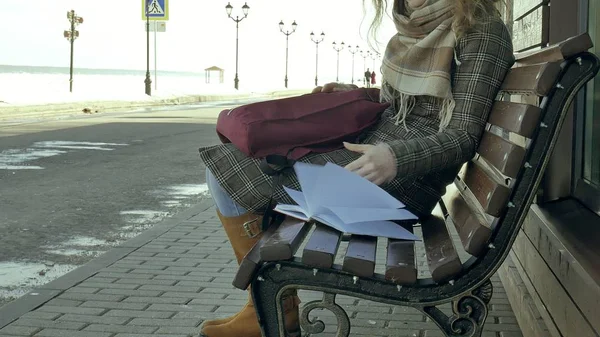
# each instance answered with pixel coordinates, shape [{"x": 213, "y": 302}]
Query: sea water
[{"x": 24, "y": 85}]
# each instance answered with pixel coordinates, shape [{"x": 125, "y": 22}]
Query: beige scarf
[{"x": 418, "y": 59}]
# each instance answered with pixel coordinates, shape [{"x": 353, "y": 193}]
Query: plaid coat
[{"x": 428, "y": 160}]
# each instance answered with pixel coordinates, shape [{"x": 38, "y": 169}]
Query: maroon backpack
[{"x": 295, "y": 126}]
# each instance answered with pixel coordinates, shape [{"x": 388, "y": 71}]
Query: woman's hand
[
  {"x": 377, "y": 164},
  {"x": 334, "y": 87}
]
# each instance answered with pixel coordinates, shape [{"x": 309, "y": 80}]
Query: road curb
[
  {"x": 57, "y": 110},
  {"x": 38, "y": 296}
]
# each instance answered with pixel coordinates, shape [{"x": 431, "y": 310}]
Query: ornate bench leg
[
  {"x": 267, "y": 301},
  {"x": 328, "y": 302},
  {"x": 267, "y": 298},
  {"x": 469, "y": 313}
]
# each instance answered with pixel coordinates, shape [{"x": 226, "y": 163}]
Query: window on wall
[
  {"x": 591, "y": 132},
  {"x": 587, "y": 133}
]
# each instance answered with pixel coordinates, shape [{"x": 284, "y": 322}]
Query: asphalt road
[{"x": 72, "y": 189}]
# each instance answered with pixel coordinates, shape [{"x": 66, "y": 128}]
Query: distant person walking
[
  {"x": 373, "y": 77},
  {"x": 367, "y": 78}
]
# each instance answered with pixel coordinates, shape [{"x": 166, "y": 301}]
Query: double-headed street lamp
[
  {"x": 317, "y": 41},
  {"x": 353, "y": 51},
  {"x": 287, "y": 36},
  {"x": 237, "y": 21},
  {"x": 71, "y": 35},
  {"x": 337, "y": 48},
  {"x": 374, "y": 56}
]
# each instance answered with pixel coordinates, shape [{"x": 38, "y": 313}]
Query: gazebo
[{"x": 211, "y": 69}]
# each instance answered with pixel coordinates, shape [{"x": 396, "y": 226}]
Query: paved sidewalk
[{"x": 166, "y": 281}]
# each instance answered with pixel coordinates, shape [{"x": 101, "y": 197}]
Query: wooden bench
[{"x": 492, "y": 197}]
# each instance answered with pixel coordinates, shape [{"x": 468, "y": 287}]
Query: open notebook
[{"x": 345, "y": 201}]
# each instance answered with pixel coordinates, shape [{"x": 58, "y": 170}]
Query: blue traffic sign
[{"x": 155, "y": 10}]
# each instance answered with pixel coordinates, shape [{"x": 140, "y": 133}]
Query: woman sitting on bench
[{"x": 441, "y": 74}]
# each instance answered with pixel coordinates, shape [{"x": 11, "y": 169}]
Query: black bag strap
[{"x": 266, "y": 166}]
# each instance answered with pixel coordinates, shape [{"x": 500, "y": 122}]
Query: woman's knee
[{"x": 225, "y": 204}]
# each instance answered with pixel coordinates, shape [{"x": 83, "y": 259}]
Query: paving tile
[
  {"x": 140, "y": 313},
  {"x": 71, "y": 310},
  {"x": 18, "y": 330},
  {"x": 42, "y": 323},
  {"x": 165, "y": 322},
  {"x": 115, "y": 305},
  {"x": 42, "y": 315},
  {"x": 69, "y": 333},
  {"x": 93, "y": 319},
  {"x": 120, "y": 328},
  {"x": 147, "y": 335}
]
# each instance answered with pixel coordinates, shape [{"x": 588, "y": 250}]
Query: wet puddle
[
  {"x": 18, "y": 278},
  {"x": 16, "y": 159}
]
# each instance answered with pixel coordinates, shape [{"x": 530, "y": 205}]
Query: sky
[{"x": 198, "y": 35}]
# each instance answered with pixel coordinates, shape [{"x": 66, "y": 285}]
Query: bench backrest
[{"x": 495, "y": 189}]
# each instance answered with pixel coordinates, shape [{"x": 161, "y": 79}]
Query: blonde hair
[{"x": 467, "y": 14}]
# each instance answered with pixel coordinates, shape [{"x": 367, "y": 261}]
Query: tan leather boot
[
  {"x": 245, "y": 323},
  {"x": 241, "y": 244},
  {"x": 243, "y": 232}
]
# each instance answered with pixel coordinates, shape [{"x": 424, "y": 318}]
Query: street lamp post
[
  {"x": 337, "y": 49},
  {"x": 237, "y": 21},
  {"x": 287, "y": 34},
  {"x": 374, "y": 56},
  {"x": 71, "y": 35},
  {"x": 364, "y": 54},
  {"x": 353, "y": 51},
  {"x": 317, "y": 41},
  {"x": 148, "y": 80}
]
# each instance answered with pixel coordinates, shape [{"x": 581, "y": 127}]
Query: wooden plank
[
  {"x": 533, "y": 319},
  {"x": 566, "y": 235},
  {"x": 282, "y": 245},
  {"x": 537, "y": 79},
  {"x": 473, "y": 231},
  {"x": 532, "y": 30},
  {"x": 321, "y": 248},
  {"x": 505, "y": 156},
  {"x": 521, "y": 119},
  {"x": 564, "y": 312},
  {"x": 557, "y": 52},
  {"x": 360, "y": 256},
  {"x": 492, "y": 196},
  {"x": 400, "y": 264},
  {"x": 442, "y": 257},
  {"x": 251, "y": 262}
]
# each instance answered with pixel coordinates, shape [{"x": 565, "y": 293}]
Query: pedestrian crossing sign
[{"x": 155, "y": 10}]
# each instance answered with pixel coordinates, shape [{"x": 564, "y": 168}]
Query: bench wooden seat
[{"x": 487, "y": 204}]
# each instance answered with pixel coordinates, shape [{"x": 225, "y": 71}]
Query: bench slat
[
  {"x": 557, "y": 52},
  {"x": 360, "y": 256},
  {"x": 321, "y": 248},
  {"x": 502, "y": 154},
  {"x": 536, "y": 79},
  {"x": 519, "y": 118},
  {"x": 282, "y": 245},
  {"x": 400, "y": 265},
  {"x": 442, "y": 257},
  {"x": 251, "y": 262},
  {"x": 473, "y": 231},
  {"x": 492, "y": 196}
]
